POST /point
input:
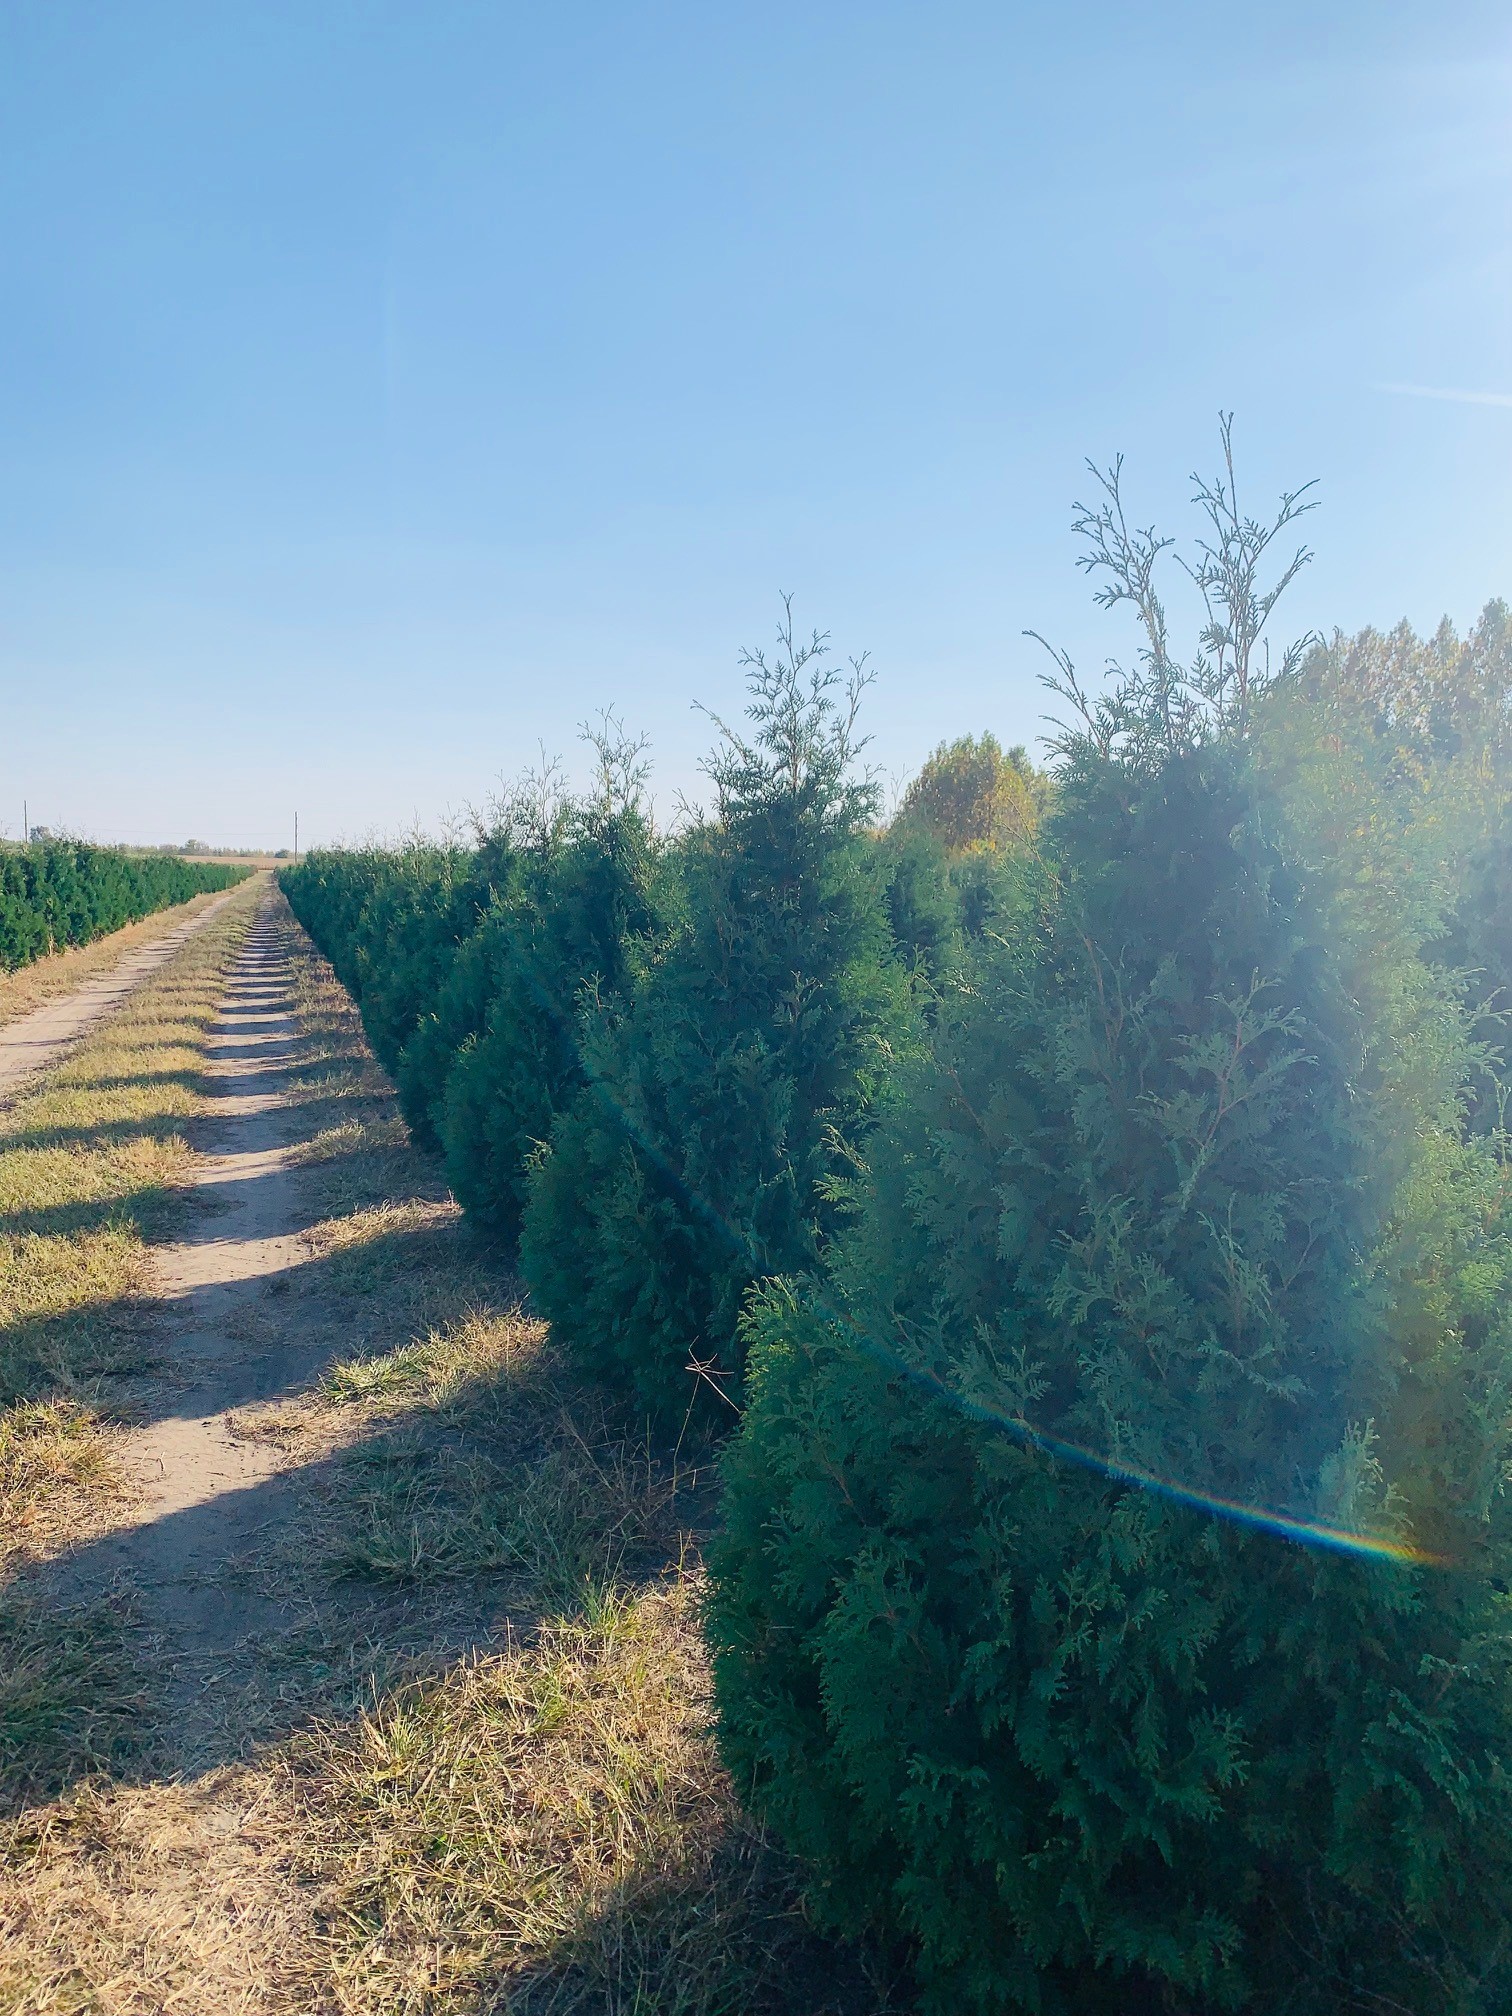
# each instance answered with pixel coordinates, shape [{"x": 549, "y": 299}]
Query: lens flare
[{"x": 1262, "y": 1519}]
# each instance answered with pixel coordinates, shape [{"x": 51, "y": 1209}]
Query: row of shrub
[
  {"x": 56, "y": 893},
  {"x": 1086, "y": 1198}
]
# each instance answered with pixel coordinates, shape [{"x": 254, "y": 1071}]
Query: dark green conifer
[
  {"x": 722, "y": 1105},
  {"x": 576, "y": 920},
  {"x": 1152, "y": 1208},
  {"x": 58, "y": 892}
]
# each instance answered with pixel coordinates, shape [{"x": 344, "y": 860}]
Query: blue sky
[{"x": 384, "y": 388}]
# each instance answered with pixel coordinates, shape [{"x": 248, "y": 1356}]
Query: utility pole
[
  {"x": 296, "y": 839},
  {"x": 25, "y": 823}
]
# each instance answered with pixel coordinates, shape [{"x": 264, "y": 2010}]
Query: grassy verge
[
  {"x": 538, "y": 1821},
  {"x": 547, "y": 1828},
  {"x": 88, "y": 1163},
  {"x": 60, "y": 973}
]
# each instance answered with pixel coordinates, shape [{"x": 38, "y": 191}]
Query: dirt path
[
  {"x": 32, "y": 1042},
  {"x": 202, "y": 1499}
]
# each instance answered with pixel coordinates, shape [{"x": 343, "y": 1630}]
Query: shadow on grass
[
  {"x": 188, "y": 1079},
  {"x": 465, "y": 1644},
  {"x": 153, "y": 1212},
  {"x": 724, "y": 1936},
  {"x": 65, "y": 1353},
  {"x": 497, "y": 1497},
  {"x": 73, "y": 1701}
]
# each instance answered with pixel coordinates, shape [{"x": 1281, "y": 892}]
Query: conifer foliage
[
  {"x": 392, "y": 923},
  {"x": 467, "y": 963},
  {"x": 1144, "y": 1211},
  {"x": 566, "y": 938},
  {"x": 722, "y": 1105},
  {"x": 56, "y": 893}
]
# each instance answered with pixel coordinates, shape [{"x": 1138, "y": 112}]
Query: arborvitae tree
[
  {"x": 58, "y": 892},
  {"x": 511, "y": 842},
  {"x": 578, "y": 917},
  {"x": 923, "y": 904},
  {"x": 467, "y": 961},
  {"x": 406, "y": 939},
  {"x": 326, "y": 892},
  {"x": 393, "y": 922},
  {"x": 1153, "y": 1255},
  {"x": 461, "y": 1003},
  {"x": 725, "y": 1100}
]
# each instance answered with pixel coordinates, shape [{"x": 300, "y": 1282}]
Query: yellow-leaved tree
[{"x": 975, "y": 797}]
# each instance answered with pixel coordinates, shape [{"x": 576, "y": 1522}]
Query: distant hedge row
[
  {"x": 1102, "y": 1246},
  {"x": 57, "y": 893}
]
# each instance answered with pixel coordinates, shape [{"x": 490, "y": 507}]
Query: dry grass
[
  {"x": 540, "y": 1824},
  {"x": 140, "y": 1900},
  {"x": 71, "y": 1698},
  {"x": 60, "y": 973},
  {"x": 481, "y": 1773},
  {"x": 87, "y": 1164},
  {"x": 477, "y": 1457},
  {"x": 547, "y": 1829},
  {"x": 351, "y": 1138},
  {"x": 89, "y": 1160},
  {"x": 56, "y": 1471}
]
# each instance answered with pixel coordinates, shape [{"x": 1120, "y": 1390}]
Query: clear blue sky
[{"x": 383, "y": 388}]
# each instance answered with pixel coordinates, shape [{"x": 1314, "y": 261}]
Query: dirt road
[
  {"x": 201, "y": 1499},
  {"x": 32, "y": 1042}
]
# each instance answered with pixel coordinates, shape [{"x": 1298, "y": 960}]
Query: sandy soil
[
  {"x": 223, "y": 1454},
  {"x": 170, "y": 1886},
  {"x": 202, "y": 1498}
]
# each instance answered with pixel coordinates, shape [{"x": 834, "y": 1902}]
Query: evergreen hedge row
[
  {"x": 1106, "y": 1248},
  {"x": 57, "y": 893},
  {"x": 1149, "y": 1191}
]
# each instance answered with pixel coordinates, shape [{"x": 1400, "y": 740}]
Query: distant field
[{"x": 235, "y": 860}]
